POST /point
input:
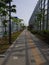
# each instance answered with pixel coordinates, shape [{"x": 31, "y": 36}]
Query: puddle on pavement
[
  {"x": 19, "y": 46},
  {"x": 15, "y": 58}
]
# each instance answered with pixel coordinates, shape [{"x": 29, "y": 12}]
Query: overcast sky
[{"x": 24, "y": 9}]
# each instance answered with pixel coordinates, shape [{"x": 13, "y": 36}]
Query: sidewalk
[{"x": 27, "y": 50}]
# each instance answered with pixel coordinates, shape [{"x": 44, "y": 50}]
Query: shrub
[
  {"x": 43, "y": 34},
  {"x": 33, "y": 31}
]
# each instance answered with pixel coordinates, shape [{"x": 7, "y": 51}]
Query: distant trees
[
  {"x": 38, "y": 19},
  {"x": 17, "y": 20}
]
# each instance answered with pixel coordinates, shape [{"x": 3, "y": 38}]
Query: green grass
[
  {"x": 4, "y": 45},
  {"x": 43, "y": 35},
  {"x": 15, "y": 35}
]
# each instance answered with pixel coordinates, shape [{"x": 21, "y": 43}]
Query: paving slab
[{"x": 27, "y": 50}]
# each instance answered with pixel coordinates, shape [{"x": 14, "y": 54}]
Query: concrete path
[{"x": 27, "y": 50}]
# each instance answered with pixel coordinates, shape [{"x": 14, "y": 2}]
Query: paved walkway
[{"x": 27, "y": 50}]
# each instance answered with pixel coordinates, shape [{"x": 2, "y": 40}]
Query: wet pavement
[{"x": 26, "y": 50}]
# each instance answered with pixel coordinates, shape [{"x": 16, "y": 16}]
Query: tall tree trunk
[
  {"x": 9, "y": 22},
  {"x": 5, "y": 26},
  {"x": 47, "y": 15},
  {"x": 43, "y": 15},
  {"x": 41, "y": 12}
]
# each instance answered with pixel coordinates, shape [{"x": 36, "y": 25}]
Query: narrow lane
[{"x": 27, "y": 50}]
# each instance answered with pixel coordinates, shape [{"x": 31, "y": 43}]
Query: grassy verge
[
  {"x": 43, "y": 35},
  {"x": 4, "y": 45}
]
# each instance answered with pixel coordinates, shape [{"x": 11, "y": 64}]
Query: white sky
[{"x": 24, "y": 9}]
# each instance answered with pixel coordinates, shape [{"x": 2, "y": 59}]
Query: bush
[
  {"x": 33, "y": 31},
  {"x": 43, "y": 34}
]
